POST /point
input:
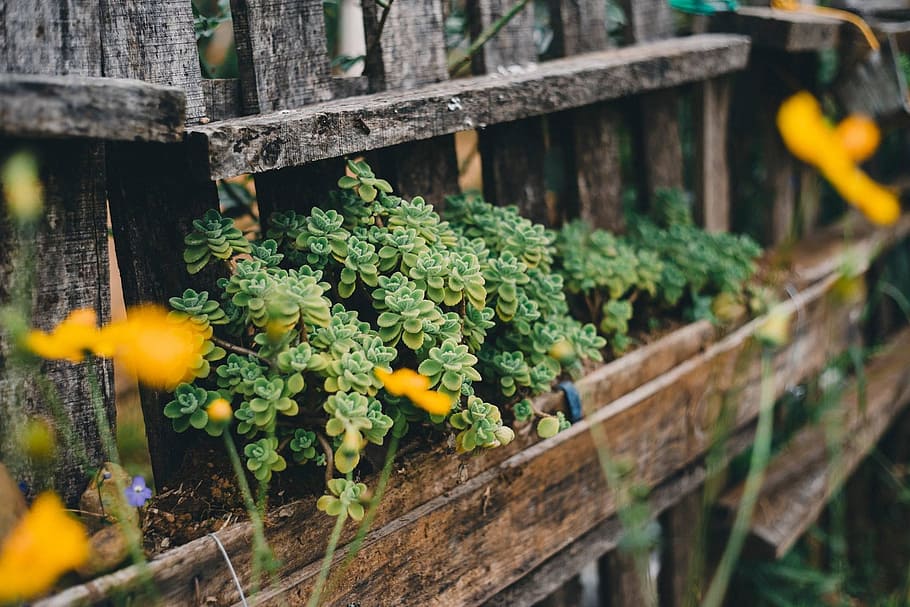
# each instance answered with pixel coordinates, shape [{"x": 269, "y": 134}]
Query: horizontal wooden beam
[
  {"x": 803, "y": 476},
  {"x": 790, "y": 31},
  {"x": 516, "y": 507},
  {"x": 95, "y": 108},
  {"x": 266, "y": 142}
]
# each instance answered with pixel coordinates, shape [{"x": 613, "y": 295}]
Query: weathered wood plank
[
  {"x": 789, "y": 31},
  {"x": 467, "y": 499},
  {"x": 153, "y": 195},
  {"x": 511, "y": 153},
  {"x": 712, "y": 171},
  {"x": 409, "y": 51},
  {"x": 802, "y": 477},
  {"x": 70, "y": 255},
  {"x": 281, "y": 53},
  {"x": 223, "y": 98},
  {"x": 271, "y": 141},
  {"x": 154, "y": 42},
  {"x": 589, "y": 135},
  {"x": 659, "y": 154},
  {"x": 96, "y": 108},
  {"x": 679, "y": 581}
]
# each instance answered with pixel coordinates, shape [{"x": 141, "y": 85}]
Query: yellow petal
[
  {"x": 402, "y": 382},
  {"x": 434, "y": 403},
  {"x": 45, "y": 544}
]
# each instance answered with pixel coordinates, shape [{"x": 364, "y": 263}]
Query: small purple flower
[{"x": 137, "y": 493}]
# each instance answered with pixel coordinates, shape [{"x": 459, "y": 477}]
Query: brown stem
[
  {"x": 382, "y": 20},
  {"x": 329, "y": 457},
  {"x": 239, "y": 349}
]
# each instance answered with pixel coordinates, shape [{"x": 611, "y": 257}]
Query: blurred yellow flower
[
  {"x": 160, "y": 352},
  {"x": 413, "y": 385},
  {"x": 811, "y": 139},
  {"x": 45, "y": 544},
  {"x": 219, "y": 410},
  {"x": 71, "y": 339},
  {"x": 22, "y": 188}
]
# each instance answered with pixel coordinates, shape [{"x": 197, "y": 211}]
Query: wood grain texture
[
  {"x": 803, "y": 476},
  {"x": 712, "y": 171},
  {"x": 281, "y": 53},
  {"x": 484, "y": 506},
  {"x": 154, "y": 42},
  {"x": 511, "y": 154},
  {"x": 97, "y": 108},
  {"x": 70, "y": 245},
  {"x": 782, "y": 30},
  {"x": 647, "y": 20},
  {"x": 513, "y": 46},
  {"x": 410, "y": 50},
  {"x": 579, "y": 26},
  {"x": 680, "y": 582},
  {"x": 223, "y": 98},
  {"x": 44, "y": 37},
  {"x": 153, "y": 195},
  {"x": 659, "y": 155},
  {"x": 597, "y": 542},
  {"x": 589, "y": 135},
  {"x": 271, "y": 141}
]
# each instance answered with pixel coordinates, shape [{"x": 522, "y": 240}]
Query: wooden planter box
[{"x": 458, "y": 530}]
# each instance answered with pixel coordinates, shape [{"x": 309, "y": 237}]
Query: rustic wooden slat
[
  {"x": 511, "y": 154},
  {"x": 153, "y": 196},
  {"x": 778, "y": 29},
  {"x": 281, "y": 53},
  {"x": 568, "y": 595},
  {"x": 260, "y": 143},
  {"x": 97, "y": 108},
  {"x": 70, "y": 256},
  {"x": 410, "y": 49},
  {"x": 590, "y": 135},
  {"x": 659, "y": 155},
  {"x": 223, "y": 98},
  {"x": 410, "y": 52},
  {"x": 620, "y": 582},
  {"x": 802, "y": 477},
  {"x": 154, "y": 42},
  {"x": 513, "y": 513},
  {"x": 678, "y": 581},
  {"x": 712, "y": 172}
]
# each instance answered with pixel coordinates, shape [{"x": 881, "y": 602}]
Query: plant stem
[
  {"x": 261, "y": 550},
  {"x": 329, "y": 457},
  {"x": 239, "y": 349},
  {"x": 382, "y": 19},
  {"x": 327, "y": 560},
  {"x": 761, "y": 451},
  {"x": 367, "y": 521},
  {"x": 486, "y": 35}
]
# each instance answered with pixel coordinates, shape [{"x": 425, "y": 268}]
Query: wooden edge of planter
[
  {"x": 265, "y": 142},
  {"x": 807, "y": 472},
  {"x": 488, "y": 504},
  {"x": 789, "y": 31},
  {"x": 113, "y": 109}
]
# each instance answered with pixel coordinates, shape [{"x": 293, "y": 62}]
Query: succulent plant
[
  {"x": 188, "y": 409},
  {"x": 273, "y": 395},
  {"x": 480, "y": 425},
  {"x": 448, "y": 366},
  {"x": 363, "y": 181},
  {"x": 262, "y": 458},
  {"x": 303, "y": 445},
  {"x": 404, "y": 318},
  {"x": 212, "y": 236},
  {"x": 349, "y": 413},
  {"x": 344, "y": 496}
]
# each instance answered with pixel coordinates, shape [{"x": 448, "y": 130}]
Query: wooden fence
[{"x": 153, "y": 143}]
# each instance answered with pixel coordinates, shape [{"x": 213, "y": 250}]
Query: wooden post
[
  {"x": 153, "y": 195},
  {"x": 591, "y": 140},
  {"x": 409, "y": 51},
  {"x": 512, "y": 153},
  {"x": 712, "y": 170},
  {"x": 680, "y": 582},
  {"x": 71, "y": 261},
  {"x": 659, "y": 155}
]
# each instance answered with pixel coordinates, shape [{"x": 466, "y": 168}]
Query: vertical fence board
[
  {"x": 154, "y": 41},
  {"x": 590, "y": 135},
  {"x": 71, "y": 260},
  {"x": 712, "y": 171},
  {"x": 153, "y": 196},
  {"x": 657, "y": 119},
  {"x": 620, "y": 584},
  {"x": 281, "y": 53},
  {"x": 512, "y": 153},
  {"x": 409, "y": 51},
  {"x": 680, "y": 579}
]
